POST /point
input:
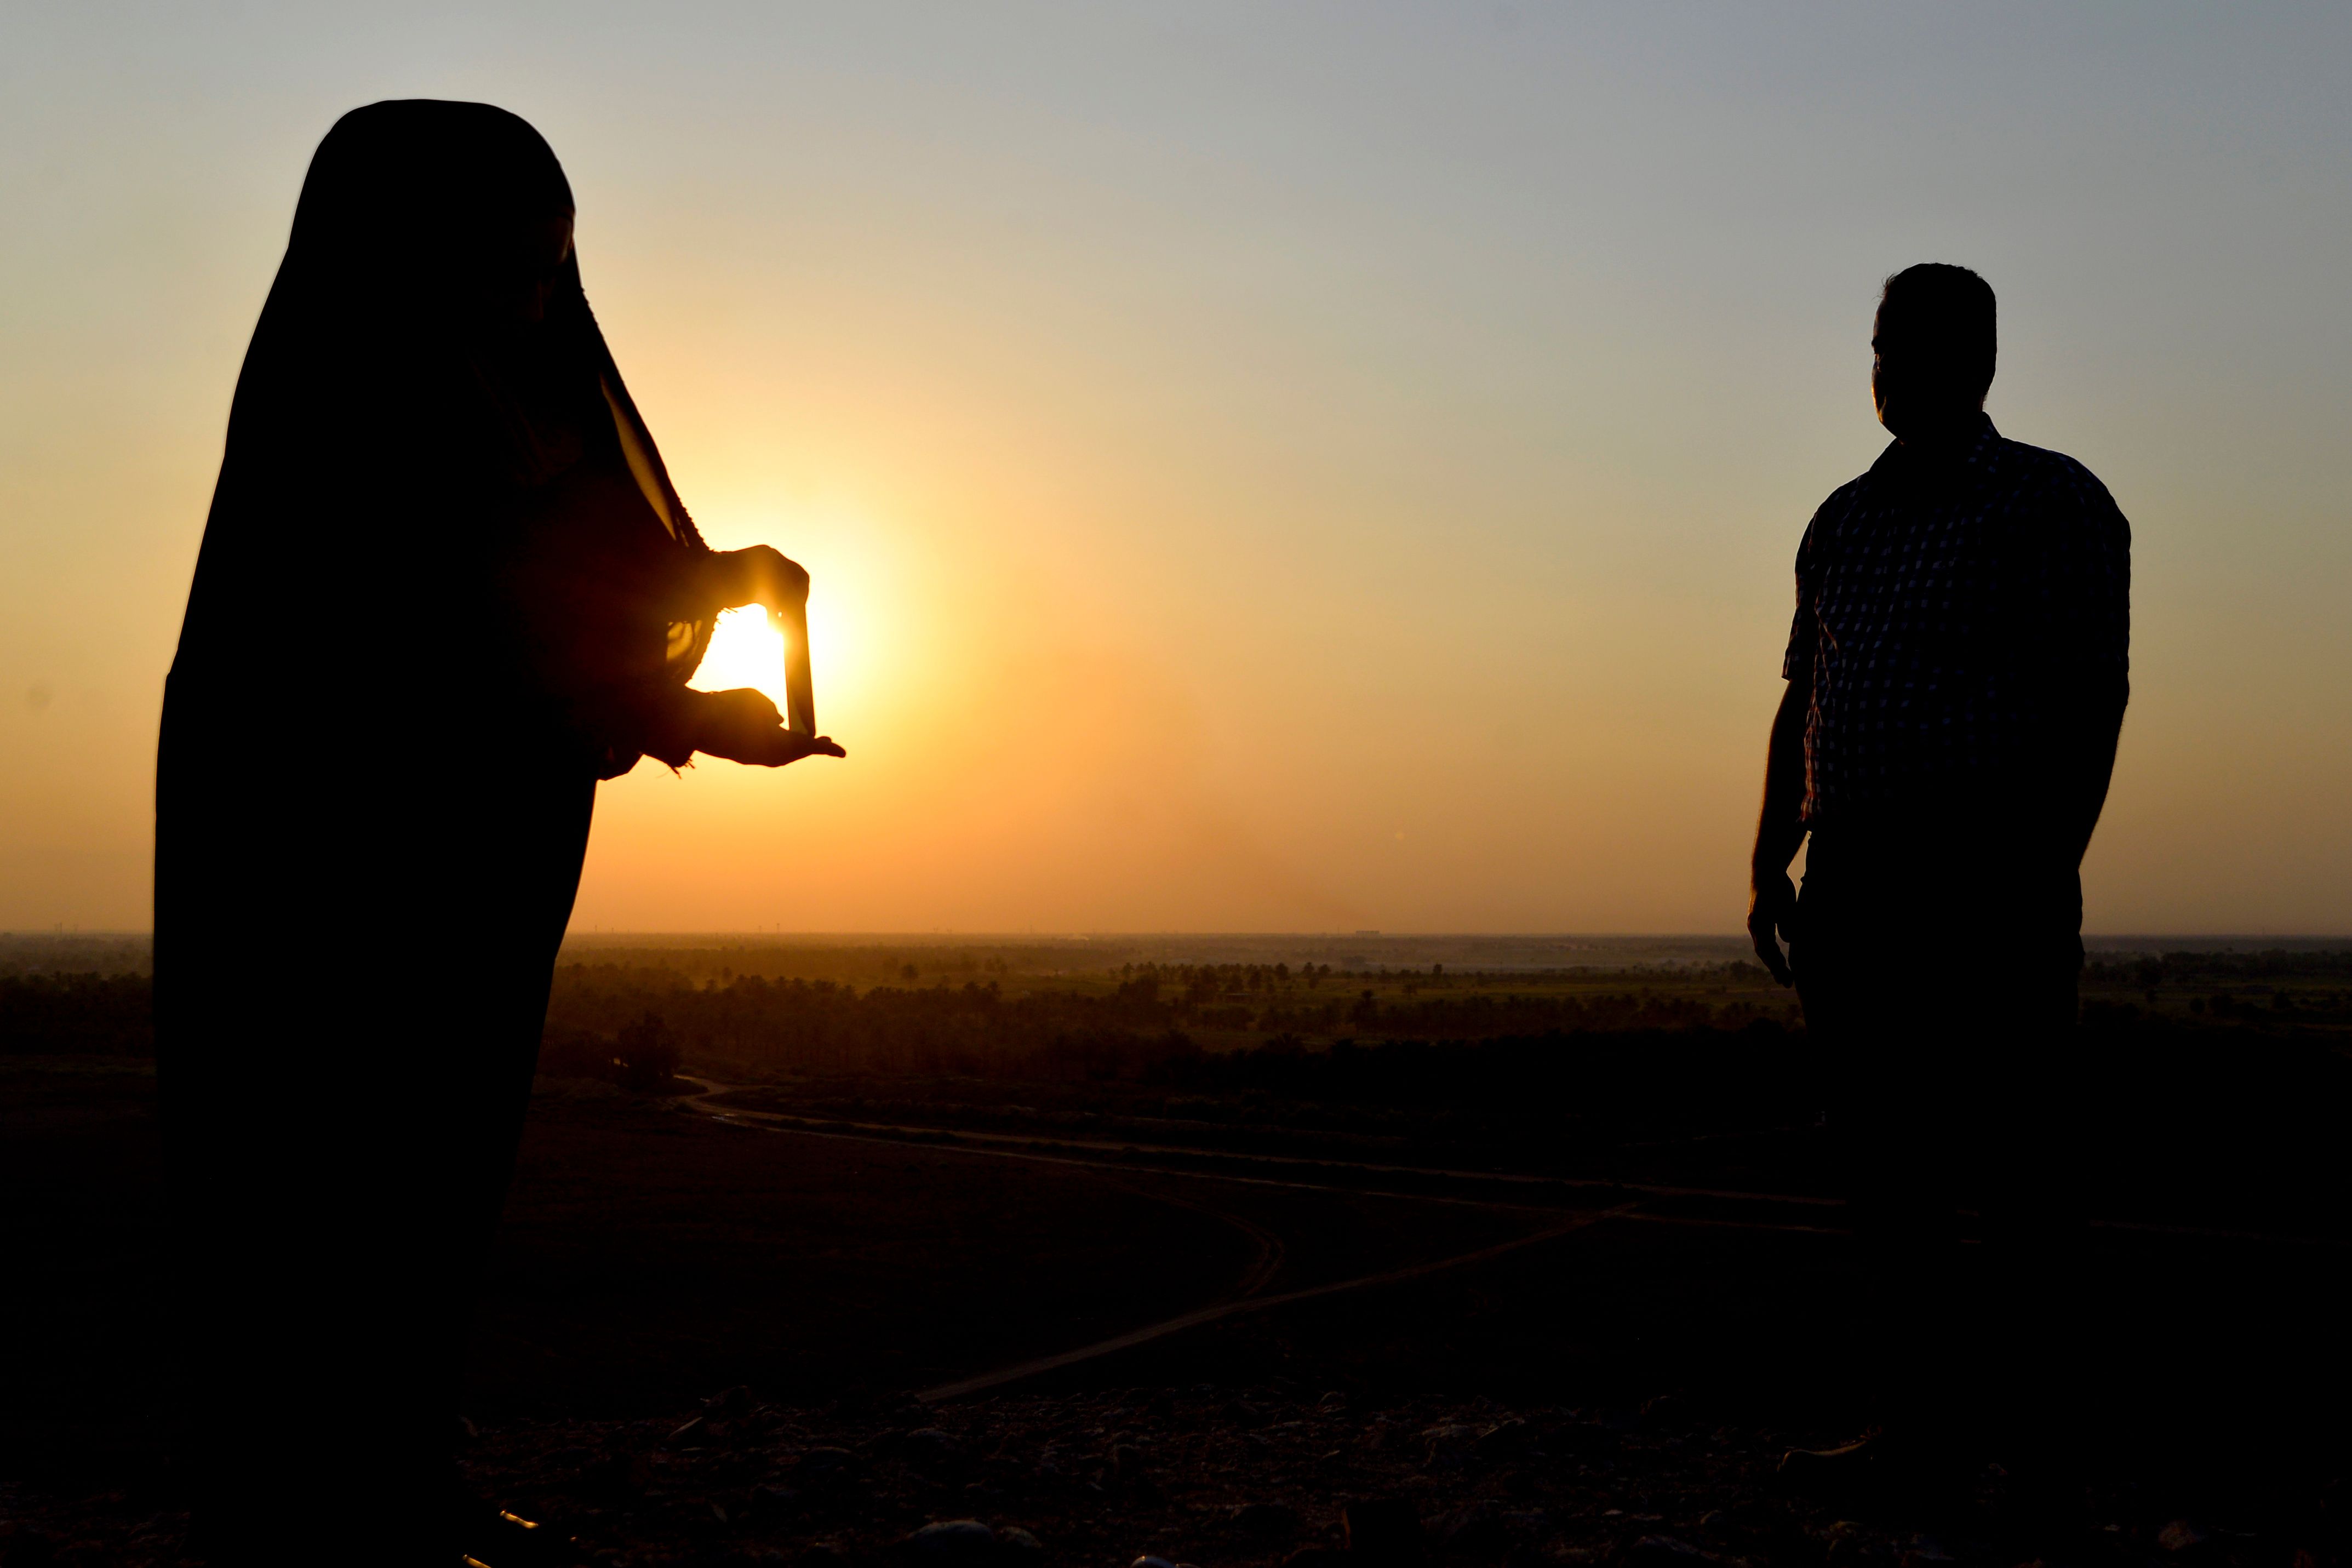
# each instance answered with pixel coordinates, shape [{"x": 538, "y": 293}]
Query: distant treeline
[
  {"x": 1156, "y": 1026},
  {"x": 1120, "y": 1024},
  {"x": 1698, "y": 1075},
  {"x": 2194, "y": 968},
  {"x": 56, "y": 952},
  {"x": 817, "y": 1026}
]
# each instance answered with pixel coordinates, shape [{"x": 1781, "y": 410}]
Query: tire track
[
  {"x": 1192, "y": 1319},
  {"x": 952, "y": 1144},
  {"x": 977, "y": 1141}
]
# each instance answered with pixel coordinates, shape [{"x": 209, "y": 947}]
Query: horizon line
[{"x": 945, "y": 933}]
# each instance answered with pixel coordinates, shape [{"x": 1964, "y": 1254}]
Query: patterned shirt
[{"x": 1959, "y": 623}]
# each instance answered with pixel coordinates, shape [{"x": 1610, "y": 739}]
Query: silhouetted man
[{"x": 1957, "y": 679}]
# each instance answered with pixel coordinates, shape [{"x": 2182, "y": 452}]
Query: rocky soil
[{"x": 1221, "y": 1476}]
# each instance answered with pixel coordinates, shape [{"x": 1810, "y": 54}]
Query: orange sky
[{"x": 1262, "y": 470}]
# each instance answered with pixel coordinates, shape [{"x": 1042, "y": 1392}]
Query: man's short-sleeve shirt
[{"x": 1956, "y": 622}]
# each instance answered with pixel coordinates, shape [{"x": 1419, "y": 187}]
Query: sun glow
[
  {"x": 854, "y": 598},
  {"x": 745, "y": 650}
]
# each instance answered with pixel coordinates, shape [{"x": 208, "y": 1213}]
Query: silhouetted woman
[{"x": 446, "y": 586}]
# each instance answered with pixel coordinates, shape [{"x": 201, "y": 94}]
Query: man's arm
[
  {"x": 2085, "y": 774},
  {"x": 2094, "y": 663},
  {"x": 1780, "y": 830}
]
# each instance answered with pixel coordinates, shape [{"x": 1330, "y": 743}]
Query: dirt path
[
  {"x": 1233, "y": 1309},
  {"x": 900, "y": 1132}
]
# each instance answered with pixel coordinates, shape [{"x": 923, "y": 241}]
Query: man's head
[{"x": 1932, "y": 350}]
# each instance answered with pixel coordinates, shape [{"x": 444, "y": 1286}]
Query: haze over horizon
[{"x": 1264, "y": 470}]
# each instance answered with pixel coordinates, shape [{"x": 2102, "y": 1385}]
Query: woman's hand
[
  {"x": 759, "y": 575},
  {"x": 744, "y": 726}
]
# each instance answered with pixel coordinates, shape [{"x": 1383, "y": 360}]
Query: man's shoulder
[
  {"x": 2024, "y": 469},
  {"x": 1841, "y": 501}
]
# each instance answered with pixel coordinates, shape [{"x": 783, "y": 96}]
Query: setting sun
[
  {"x": 745, "y": 650},
  {"x": 852, "y": 598}
]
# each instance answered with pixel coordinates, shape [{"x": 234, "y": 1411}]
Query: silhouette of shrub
[
  {"x": 575, "y": 1053},
  {"x": 648, "y": 1055}
]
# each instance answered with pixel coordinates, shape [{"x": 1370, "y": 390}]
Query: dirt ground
[{"x": 1622, "y": 1391}]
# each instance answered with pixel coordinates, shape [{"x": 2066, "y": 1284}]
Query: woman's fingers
[
  {"x": 759, "y": 575},
  {"x": 792, "y": 578},
  {"x": 765, "y": 576},
  {"x": 794, "y": 747},
  {"x": 744, "y": 726}
]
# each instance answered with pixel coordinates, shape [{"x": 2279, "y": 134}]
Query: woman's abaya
[{"x": 445, "y": 587}]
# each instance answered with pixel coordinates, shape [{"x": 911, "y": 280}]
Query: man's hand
[
  {"x": 744, "y": 726},
  {"x": 759, "y": 575},
  {"x": 1780, "y": 832},
  {"x": 1772, "y": 910}
]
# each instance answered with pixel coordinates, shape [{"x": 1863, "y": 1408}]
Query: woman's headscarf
[{"x": 427, "y": 500}]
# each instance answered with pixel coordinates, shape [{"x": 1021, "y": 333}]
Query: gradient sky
[{"x": 1264, "y": 466}]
